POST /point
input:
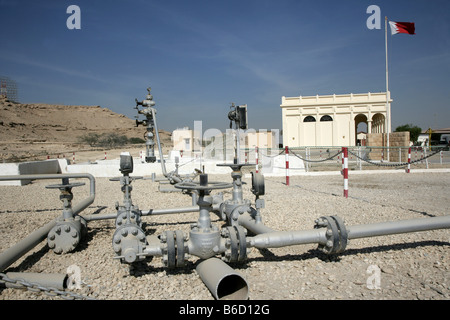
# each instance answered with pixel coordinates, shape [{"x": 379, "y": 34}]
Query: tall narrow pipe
[
  {"x": 161, "y": 156},
  {"x": 223, "y": 282}
]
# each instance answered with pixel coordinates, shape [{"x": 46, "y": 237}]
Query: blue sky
[{"x": 199, "y": 56}]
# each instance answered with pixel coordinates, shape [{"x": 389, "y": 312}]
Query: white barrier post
[
  {"x": 256, "y": 158},
  {"x": 286, "y": 151},
  {"x": 345, "y": 159},
  {"x": 409, "y": 161}
]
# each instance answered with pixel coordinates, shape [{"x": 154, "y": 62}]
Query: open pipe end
[
  {"x": 232, "y": 287},
  {"x": 223, "y": 282}
]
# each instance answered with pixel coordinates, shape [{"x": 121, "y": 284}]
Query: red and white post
[
  {"x": 408, "y": 170},
  {"x": 286, "y": 151},
  {"x": 73, "y": 157},
  {"x": 345, "y": 170},
  {"x": 256, "y": 158}
]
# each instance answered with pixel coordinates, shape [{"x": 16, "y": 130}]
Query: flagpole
[{"x": 388, "y": 111}]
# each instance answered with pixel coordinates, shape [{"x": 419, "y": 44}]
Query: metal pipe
[
  {"x": 14, "y": 253},
  {"x": 278, "y": 239},
  {"x": 151, "y": 212},
  {"x": 247, "y": 221},
  {"x": 48, "y": 280},
  {"x": 163, "y": 164},
  {"x": 288, "y": 238},
  {"x": 223, "y": 282},
  {"x": 396, "y": 227},
  {"x": 75, "y": 209}
]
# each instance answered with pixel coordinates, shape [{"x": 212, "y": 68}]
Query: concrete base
[{"x": 33, "y": 167}]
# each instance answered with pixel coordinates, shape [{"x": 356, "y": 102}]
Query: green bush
[
  {"x": 135, "y": 140},
  {"x": 109, "y": 140}
]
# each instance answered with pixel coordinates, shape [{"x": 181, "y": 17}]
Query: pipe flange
[
  {"x": 129, "y": 242},
  {"x": 336, "y": 234},
  {"x": 236, "y": 244},
  {"x": 65, "y": 236},
  {"x": 174, "y": 248}
]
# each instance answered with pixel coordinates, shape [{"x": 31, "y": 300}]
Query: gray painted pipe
[
  {"x": 278, "y": 239},
  {"x": 14, "y": 253},
  {"x": 249, "y": 223},
  {"x": 163, "y": 164},
  {"x": 288, "y": 238},
  {"x": 223, "y": 282},
  {"x": 151, "y": 212},
  {"x": 48, "y": 280},
  {"x": 396, "y": 227},
  {"x": 78, "y": 207}
]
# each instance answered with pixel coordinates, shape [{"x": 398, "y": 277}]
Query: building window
[
  {"x": 326, "y": 118},
  {"x": 309, "y": 119}
]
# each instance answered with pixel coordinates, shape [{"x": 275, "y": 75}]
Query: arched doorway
[
  {"x": 361, "y": 127},
  {"x": 378, "y": 123},
  {"x": 309, "y": 131}
]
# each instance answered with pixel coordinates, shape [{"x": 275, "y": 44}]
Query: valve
[
  {"x": 129, "y": 243},
  {"x": 203, "y": 186},
  {"x": 65, "y": 236}
]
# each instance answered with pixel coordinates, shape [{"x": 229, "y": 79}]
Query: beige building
[
  {"x": 182, "y": 139},
  {"x": 262, "y": 139},
  {"x": 332, "y": 120}
]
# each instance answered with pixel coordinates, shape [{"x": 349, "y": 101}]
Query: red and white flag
[{"x": 402, "y": 27}]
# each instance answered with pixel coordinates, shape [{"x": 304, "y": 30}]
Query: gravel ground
[{"x": 413, "y": 266}]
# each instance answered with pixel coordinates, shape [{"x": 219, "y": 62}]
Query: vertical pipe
[
  {"x": 286, "y": 151},
  {"x": 345, "y": 157}
]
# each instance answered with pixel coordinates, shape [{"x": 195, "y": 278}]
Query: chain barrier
[
  {"x": 402, "y": 164},
  {"x": 35, "y": 287},
  {"x": 309, "y": 160},
  {"x": 264, "y": 155}
]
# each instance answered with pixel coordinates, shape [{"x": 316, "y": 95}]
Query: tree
[{"x": 414, "y": 131}]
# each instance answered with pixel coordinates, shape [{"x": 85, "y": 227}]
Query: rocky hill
[{"x": 34, "y": 131}]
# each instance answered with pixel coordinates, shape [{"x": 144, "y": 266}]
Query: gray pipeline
[
  {"x": 223, "y": 282},
  {"x": 76, "y": 208},
  {"x": 14, "y": 253}
]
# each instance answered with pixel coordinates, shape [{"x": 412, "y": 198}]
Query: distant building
[
  {"x": 332, "y": 120},
  {"x": 183, "y": 139},
  {"x": 263, "y": 139}
]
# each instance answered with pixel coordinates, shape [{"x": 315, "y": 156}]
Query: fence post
[
  {"x": 286, "y": 151},
  {"x": 409, "y": 161},
  {"x": 345, "y": 161}
]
